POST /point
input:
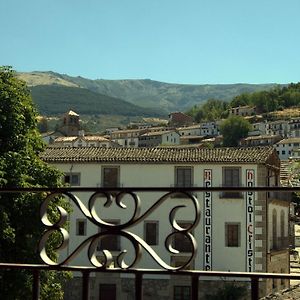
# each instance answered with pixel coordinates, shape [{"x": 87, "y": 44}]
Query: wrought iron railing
[{"x": 123, "y": 229}]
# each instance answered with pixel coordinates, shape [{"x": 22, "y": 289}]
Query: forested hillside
[
  {"x": 165, "y": 97},
  {"x": 276, "y": 99},
  {"x": 57, "y": 99}
]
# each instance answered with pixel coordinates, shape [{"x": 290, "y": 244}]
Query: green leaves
[
  {"x": 233, "y": 129},
  {"x": 20, "y": 166}
]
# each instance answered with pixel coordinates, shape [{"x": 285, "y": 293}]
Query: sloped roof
[
  {"x": 290, "y": 140},
  {"x": 261, "y": 137},
  {"x": 255, "y": 155}
]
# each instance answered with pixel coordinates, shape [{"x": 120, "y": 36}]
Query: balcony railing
[{"x": 139, "y": 245}]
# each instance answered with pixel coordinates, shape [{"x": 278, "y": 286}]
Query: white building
[
  {"x": 210, "y": 129},
  {"x": 128, "y": 138},
  {"x": 158, "y": 138},
  {"x": 260, "y": 128},
  {"x": 294, "y": 127},
  {"x": 193, "y": 130},
  {"x": 237, "y": 231},
  {"x": 285, "y": 147},
  {"x": 280, "y": 127},
  {"x": 242, "y": 111}
]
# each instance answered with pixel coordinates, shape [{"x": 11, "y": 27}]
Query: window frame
[
  {"x": 232, "y": 242},
  {"x": 146, "y": 237},
  {"x": 176, "y": 179},
  {"x": 78, "y": 222},
  {"x": 72, "y": 175},
  {"x": 231, "y": 194},
  {"x": 103, "y": 168},
  {"x": 184, "y": 246},
  {"x": 179, "y": 294},
  {"x": 110, "y": 237}
]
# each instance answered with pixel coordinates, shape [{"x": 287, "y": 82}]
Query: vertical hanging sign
[
  {"x": 207, "y": 221},
  {"x": 250, "y": 181}
]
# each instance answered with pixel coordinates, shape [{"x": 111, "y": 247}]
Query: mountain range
[{"x": 55, "y": 93}]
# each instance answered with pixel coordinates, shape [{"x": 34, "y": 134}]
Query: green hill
[
  {"x": 160, "y": 96},
  {"x": 57, "y": 99}
]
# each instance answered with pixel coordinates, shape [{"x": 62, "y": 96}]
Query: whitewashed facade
[
  {"x": 237, "y": 231},
  {"x": 285, "y": 147}
]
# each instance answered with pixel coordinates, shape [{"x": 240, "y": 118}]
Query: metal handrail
[{"x": 140, "y": 272}]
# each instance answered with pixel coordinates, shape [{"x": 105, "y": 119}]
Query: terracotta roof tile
[{"x": 158, "y": 155}]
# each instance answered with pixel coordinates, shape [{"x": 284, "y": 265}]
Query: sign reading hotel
[
  {"x": 250, "y": 181},
  {"x": 207, "y": 221}
]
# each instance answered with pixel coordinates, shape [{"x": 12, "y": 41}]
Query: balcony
[{"x": 184, "y": 265}]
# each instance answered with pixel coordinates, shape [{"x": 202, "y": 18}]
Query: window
[
  {"x": 110, "y": 176},
  {"x": 283, "y": 152},
  {"x": 231, "y": 178},
  {"x": 181, "y": 242},
  {"x": 80, "y": 227},
  {"x": 182, "y": 292},
  {"x": 183, "y": 177},
  {"x": 151, "y": 232},
  {"x": 110, "y": 242},
  {"x": 232, "y": 234},
  {"x": 72, "y": 178},
  {"x": 179, "y": 261}
]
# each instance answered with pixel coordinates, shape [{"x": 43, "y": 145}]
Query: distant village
[{"x": 180, "y": 131}]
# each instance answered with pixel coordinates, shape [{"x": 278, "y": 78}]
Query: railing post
[
  {"x": 36, "y": 285},
  {"x": 138, "y": 286},
  {"x": 85, "y": 285},
  {"x": 254, "y": 288},
  {"x": 195, "y": 287}
]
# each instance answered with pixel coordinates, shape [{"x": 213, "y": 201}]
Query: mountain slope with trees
[
  {"x": 57, "y": 99},
  {"x": 265, "y": 102},
  {"x": 147, "y": 93}
]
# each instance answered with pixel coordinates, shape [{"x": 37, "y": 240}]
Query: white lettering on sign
[
  {"x": 250, "y": 180},
  {"x": 207, "y": 221}
]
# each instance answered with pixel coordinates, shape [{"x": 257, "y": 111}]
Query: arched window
[{"x": 274, "y": 228}]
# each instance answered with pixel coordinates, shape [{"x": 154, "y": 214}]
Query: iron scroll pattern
[{"x": 108, "y": 229}]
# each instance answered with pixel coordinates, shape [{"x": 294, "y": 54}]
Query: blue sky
[{"x": 191, "y": 41}]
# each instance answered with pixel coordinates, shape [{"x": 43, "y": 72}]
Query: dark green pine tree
[{"x": 20, "y": 166}]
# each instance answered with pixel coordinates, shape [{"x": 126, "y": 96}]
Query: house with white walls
[
  {"x": 286, "y": 146},
  {"x": 237, "y": 231},
  {"x": 279, "y": 127},
  {"x": 193, "y": 130},
  {"x": 128, "y": 138},
  {"x": 259, "y": 128},
  {"x": 210, "y": 128},
  {"x": 294, "y": 127},
  {"x": 242, "y": 111},
  {"x": 158, "y": 138}
]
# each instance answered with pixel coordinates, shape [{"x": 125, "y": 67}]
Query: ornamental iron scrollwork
[{"x": 122, "y": 230}]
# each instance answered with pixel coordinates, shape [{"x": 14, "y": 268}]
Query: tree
[
  {"x": 233, "y": 129},
  {"x": 20, "y": 166},
  {"x": 211, "y": 110}
]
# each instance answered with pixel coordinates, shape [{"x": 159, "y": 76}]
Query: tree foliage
[
  {"x": 233, "y": 129},
  {"x": 268, "y": 101},
  {"x": 211, "y": 110},
  {"x": 20, "y": 166}
]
